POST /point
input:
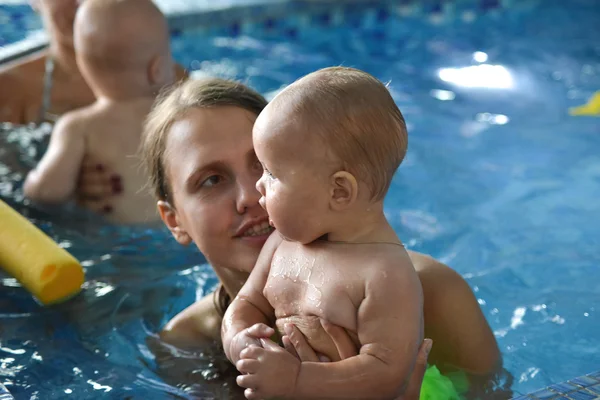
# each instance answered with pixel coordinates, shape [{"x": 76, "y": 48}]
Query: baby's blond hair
[
  {"x": 172, "y": 105},
  {"x": 355, "y": 115}
]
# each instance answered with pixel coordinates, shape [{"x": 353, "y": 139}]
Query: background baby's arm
[
  {"x": 390, "y": 330},
  {"x": 250, "y": 307},
  {"x": 54, "y": 179}
]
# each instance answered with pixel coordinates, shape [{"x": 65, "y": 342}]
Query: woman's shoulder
[
  {"x": 21, "y": 82},
  {"x": 25, "y": 67},
  {"x": 439, "y": 280}
]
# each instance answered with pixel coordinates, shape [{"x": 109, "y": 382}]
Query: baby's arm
[
  {"x": 54, "y": 179},
  {"x": 390, "y": 330},
  {"x": 249, "y": 315}
]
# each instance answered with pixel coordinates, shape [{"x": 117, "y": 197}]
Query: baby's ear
[
  {"x": 169, "y": 216},
  {"x": 344, "y": 190},
  {"x": 160, "y": 72}
]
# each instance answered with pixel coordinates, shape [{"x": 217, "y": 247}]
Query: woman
[
  {"x": 47, "y": 84},
  {"x": 204, "y": 172}
]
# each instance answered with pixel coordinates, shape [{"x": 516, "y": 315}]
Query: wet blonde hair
[
  {"x": 355, "y": 116},
  {"x": 172, "y": 105}
]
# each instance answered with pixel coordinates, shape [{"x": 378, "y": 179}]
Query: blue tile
[
  {"x": 323, "y": 19},
  {"x": 269, "y": 23},
  {"x": 582, "y": 395},
  {"x": 595, "y": 375},
  {"x": 382, "y": 15},
  {"x": 523, "y": 397},
  {"x": 563, "y": 388},
  {"x": 292, "y": 33},
  {"x": 584, "y": 381},
  {"x": 543, "y": 394},
  {"x": 594, "y": 389},
  {"x": 234, "y": 29},
  {"x": 488, "y": 4}
]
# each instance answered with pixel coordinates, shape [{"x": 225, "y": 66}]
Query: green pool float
[{"x": 436, "y": 386}]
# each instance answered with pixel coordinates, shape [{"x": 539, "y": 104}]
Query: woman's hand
[
  {"x": 97, "y": 186},
  {"x": 296, "y": 344}
]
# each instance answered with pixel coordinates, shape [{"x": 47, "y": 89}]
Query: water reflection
[{"x": 478, "y": 76}]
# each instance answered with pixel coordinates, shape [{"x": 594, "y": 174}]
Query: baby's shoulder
[{"x": 391, "y": 258}]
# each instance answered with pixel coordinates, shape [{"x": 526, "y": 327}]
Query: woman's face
[
  {"x": 212, "y": 170},
  {"x": 58, "y": 16}
]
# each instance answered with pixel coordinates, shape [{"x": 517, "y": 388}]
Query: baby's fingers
[
  {"x": 247, "y": 381},
  {"x": 252, "y": 394},
  {"x": 251, "y": 352},
  {"x": 260, "y": 331},
  {"x": 247, "y": 366}
]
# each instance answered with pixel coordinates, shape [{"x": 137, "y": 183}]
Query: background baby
[{"x": 123, "y": 53}]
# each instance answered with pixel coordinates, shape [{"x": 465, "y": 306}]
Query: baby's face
[{"x": 295, "y": 182}]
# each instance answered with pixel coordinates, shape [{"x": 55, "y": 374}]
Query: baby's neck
[
  {"x": 363, "y": 224},
  {"x": 129, "y": 101},
  {"x": 124, "y": 93}
]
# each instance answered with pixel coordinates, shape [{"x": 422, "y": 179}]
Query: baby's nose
[
  {"x": 262, "y": 202},
  {"x": 260, "y": 186}
]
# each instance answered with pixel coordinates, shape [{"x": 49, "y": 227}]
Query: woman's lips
[{"x": 257, "y": 240}]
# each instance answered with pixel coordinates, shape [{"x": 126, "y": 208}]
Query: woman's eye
[{"x": 212, "y": 181}]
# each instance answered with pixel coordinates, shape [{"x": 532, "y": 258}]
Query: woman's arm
[{"x": 454, "y": 320}]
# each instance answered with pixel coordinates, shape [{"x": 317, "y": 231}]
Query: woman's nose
[{"x": 248, "y": 195}]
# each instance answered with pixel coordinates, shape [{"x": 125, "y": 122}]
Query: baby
[
  {"x": 329, "y": 145},
  {"x": 123, "y": 53}
]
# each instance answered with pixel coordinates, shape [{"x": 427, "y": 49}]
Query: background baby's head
[
  {"x": 329, "y": 129},
  {"x": 122, "y": 47}
]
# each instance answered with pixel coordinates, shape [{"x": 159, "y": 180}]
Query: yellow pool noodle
[
  {"x": 47, "y": 271},
  {"x": 591, "y": 108}
]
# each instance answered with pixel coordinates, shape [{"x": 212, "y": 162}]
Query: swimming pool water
[{"x": 499, "y": 182}]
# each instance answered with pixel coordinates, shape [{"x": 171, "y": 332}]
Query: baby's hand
[
  {"x": 269, "y": 371},
  {"x": 249, "y": 337}
]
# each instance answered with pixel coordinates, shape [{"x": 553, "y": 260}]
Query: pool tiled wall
[
  {"x": 583, "y": 388},
  {"x": 4, "y": 394}
]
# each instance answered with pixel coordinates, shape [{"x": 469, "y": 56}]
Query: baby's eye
[
  {"x": 211, "y": 181},
  {"x": 268, "y": 173}
]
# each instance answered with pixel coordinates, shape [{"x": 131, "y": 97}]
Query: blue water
[
  {"x": 16, "y": 22},
  {"x": 499, "y": 182}
]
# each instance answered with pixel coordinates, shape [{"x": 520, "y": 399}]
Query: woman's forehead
[
  {"x": 209, "y": 135},
  {"x": 211, "y": 127}
]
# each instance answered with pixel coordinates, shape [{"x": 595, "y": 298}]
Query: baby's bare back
[
  {"x": 328, "y": 281},
  {"x": 113, "y": 135}
]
